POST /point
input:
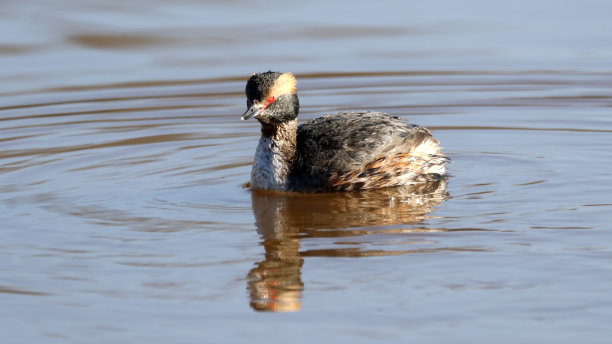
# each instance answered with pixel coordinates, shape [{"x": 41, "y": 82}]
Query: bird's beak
[{"x": 253, "y": 111}]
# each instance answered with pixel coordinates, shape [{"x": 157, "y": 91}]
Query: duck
[{"x": 347, "y": 151}]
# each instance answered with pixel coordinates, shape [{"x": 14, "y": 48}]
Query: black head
[{"x": 272, "y": 97}]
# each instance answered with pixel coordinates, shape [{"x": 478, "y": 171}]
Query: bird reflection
[{"x": 282, "y": 219}]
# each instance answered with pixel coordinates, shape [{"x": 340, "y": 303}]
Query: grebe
[{"x": 341, "y": 152}]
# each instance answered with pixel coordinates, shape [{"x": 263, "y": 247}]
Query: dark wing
[{"x": 346, "y": 141}]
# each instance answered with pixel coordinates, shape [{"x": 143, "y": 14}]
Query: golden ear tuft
[{"x": 285, "y": 84}]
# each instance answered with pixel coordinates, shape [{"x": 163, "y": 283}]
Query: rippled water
[{"x": 123, "y": 171}]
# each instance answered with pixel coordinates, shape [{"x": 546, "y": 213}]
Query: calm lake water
[{"x": 123, "y": 170}]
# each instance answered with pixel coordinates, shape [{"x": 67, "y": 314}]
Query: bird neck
[
  {"x": 283, "y": 135},
  {"x": 274, "y": 156}
]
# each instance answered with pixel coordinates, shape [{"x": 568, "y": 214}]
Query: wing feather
[{"x": 345, "y": 142}]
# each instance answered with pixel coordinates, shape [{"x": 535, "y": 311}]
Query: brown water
[{"x": 123, "y": 164}]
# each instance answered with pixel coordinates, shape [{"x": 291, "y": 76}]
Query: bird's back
[{"x": 360, "y": 150}]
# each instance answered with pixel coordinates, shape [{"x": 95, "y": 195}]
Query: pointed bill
[{"x": 253, "y": 111}]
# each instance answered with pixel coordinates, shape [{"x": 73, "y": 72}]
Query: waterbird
[{"x": 347, "y": 151}]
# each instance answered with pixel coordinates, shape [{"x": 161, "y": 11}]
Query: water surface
[{"x": 123, "y": 164}]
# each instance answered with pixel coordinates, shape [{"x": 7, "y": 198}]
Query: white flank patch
[{"x": 430, "y": 152}]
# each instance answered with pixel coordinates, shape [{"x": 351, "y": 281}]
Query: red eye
[{"x": 270, "y": 100}]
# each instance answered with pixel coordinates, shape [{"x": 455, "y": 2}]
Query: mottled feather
[{"x": 346, "y": 146}]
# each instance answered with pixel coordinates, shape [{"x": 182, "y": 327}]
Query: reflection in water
[
  {"x": 283, "y": 219},
  {"x": 276, "y": 284}
]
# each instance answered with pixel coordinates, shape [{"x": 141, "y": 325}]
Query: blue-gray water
[{"x": 123, "y": 164}]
